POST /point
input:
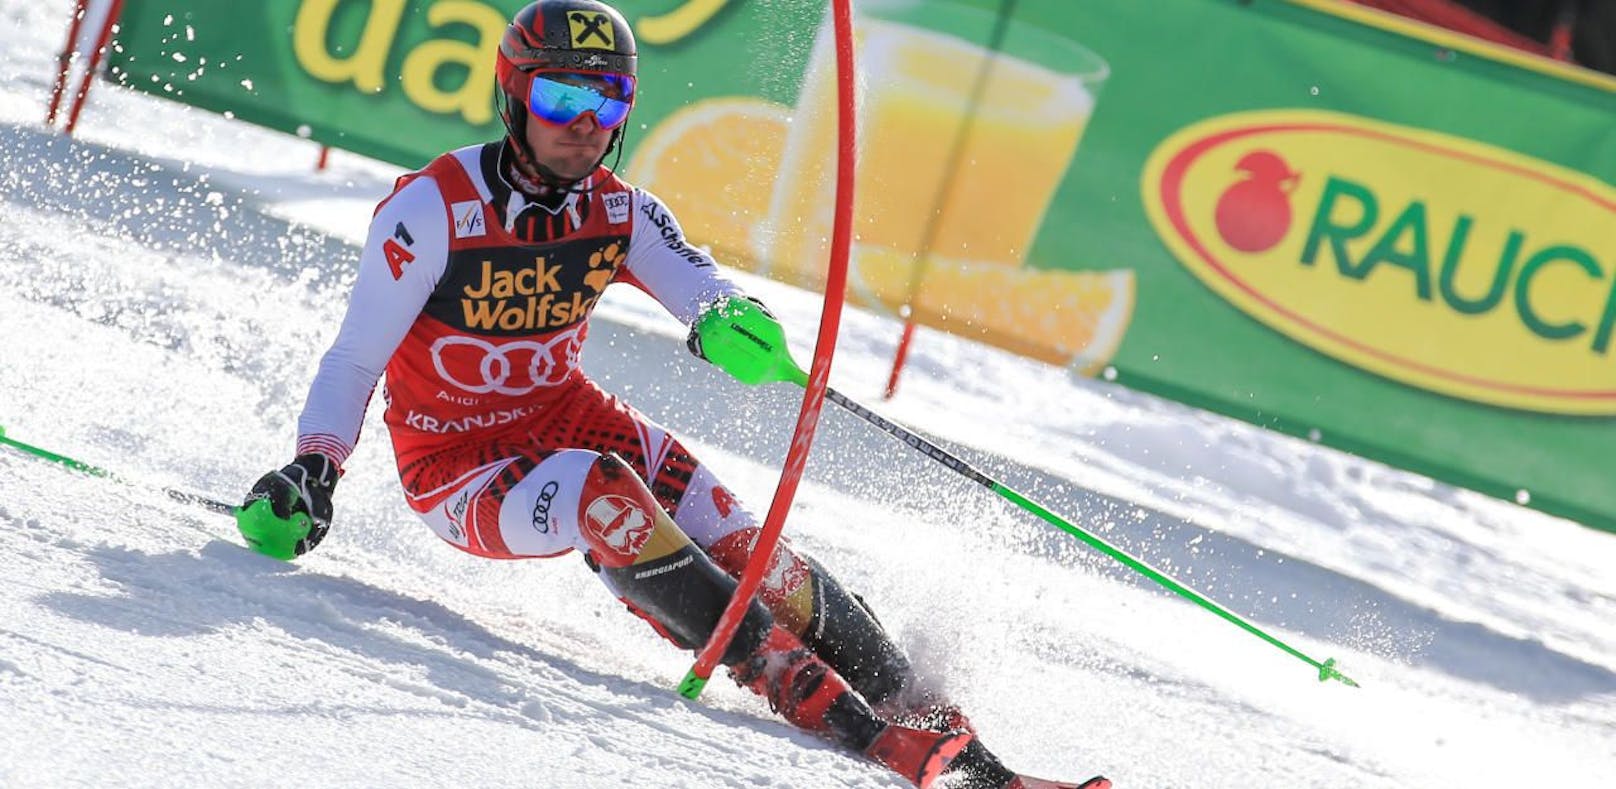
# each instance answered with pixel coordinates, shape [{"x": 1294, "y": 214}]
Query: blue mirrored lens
[{"x": 608, "y": 96}]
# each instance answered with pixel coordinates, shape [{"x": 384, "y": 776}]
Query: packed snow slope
[{"x": 169, "y": 278}]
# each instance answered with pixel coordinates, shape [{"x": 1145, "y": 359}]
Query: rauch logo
[{"x": 1437, "y": 261}]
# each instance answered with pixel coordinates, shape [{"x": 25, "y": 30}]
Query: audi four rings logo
[
  {"x": 541, "y": 506},
  {"x": 510, "y": 368}
]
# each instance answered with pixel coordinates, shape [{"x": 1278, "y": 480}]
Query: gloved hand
[
  {"x": 288, "y": 511},
  {"x": 741, "y": 337}
]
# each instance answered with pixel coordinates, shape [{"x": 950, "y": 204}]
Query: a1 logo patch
[{"x": 397, "y": 255}]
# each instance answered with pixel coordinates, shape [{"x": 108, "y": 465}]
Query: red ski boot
[
  {"x": 975, "y": 767},
  {"x": 920, "y": 756},
  {"x": 934, "y": 717},
  {"x": 812, "y": 696}
]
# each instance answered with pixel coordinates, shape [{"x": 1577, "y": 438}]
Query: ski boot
[
  {"x": 976, "y": 767},
  {"x": 916, "y": 754},
  {"x": 811, "y": 696}
]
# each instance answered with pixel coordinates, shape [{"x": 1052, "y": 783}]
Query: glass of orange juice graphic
[{"x": 963, "y": 142}]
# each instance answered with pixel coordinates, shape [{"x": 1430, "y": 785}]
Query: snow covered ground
[{"x": 169, "y": 278}]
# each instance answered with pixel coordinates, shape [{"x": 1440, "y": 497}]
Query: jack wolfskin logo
[{"x": 610, "y": 258}]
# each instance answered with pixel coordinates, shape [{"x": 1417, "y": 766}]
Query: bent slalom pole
[
  {"x": 813, "y": 399},
  {"x": 209, "y": 504}
]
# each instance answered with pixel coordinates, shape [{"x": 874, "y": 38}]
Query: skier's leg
[
  {"x": 801, "y": 593},
  {"x": 651, "y": 565},
  {"x": 837, "y": 625},
  {"x": 834, "y": 622}
]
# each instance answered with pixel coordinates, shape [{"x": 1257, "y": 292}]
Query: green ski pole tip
[
  {"x": 691, "y": 687},
  {"x": 1327, "y": 672}
]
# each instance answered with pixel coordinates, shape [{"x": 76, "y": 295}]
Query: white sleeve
[
  {"x": 405, "y": 255},
  {"x": 679, "y": 276}
]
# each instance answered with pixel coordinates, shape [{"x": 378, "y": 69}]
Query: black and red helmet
[
  {"x": 563, "y": 35},
  {"x": 581, "y": 36}
]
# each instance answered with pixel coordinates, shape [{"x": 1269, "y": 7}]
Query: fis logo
[
  {"x": 591, "y": 31},
  {"x": 468, "y": 219}
]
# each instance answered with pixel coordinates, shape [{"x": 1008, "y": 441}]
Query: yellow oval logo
[{"x": 1444, "y": 263}]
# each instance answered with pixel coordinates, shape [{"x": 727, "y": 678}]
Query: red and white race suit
[{"x": 476, "y": 302}]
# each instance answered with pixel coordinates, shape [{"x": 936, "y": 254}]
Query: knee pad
[
  {"x": 572, "y": 499},
  {"x": 654, "y": 567},
  {"x": 619, "y": 520}
]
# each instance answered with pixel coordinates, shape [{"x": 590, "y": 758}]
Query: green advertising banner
[
  {"x": 405, "y": 80},
  {"x": 1381, "y": 237}
]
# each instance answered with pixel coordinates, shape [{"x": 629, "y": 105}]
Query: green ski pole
[
  {"x": 787, "y": 370},
  {"x": 1327, "y": 669},
  {"x": 264, "y": 531},
  {"x": 211, "y": 505}
]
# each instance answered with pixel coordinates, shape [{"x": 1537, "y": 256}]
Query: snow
[{"x": 169, "y": 278}]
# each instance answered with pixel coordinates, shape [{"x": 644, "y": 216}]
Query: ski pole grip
[{"x": 740, "y": 337}]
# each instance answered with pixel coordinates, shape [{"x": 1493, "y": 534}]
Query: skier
[{"x": 474, "y": 293}]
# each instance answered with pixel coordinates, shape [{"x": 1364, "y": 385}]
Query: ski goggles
[{"x": 559, "y": 98}]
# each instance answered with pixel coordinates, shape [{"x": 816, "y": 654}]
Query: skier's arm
[
  {"x": 288, "y": 511},
  {"x": 403, "y": 259},
  {"x": 725, "y": 323},
  {"x": 683, "y": 278}
]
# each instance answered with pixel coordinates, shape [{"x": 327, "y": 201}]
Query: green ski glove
[
  {"x": 741, "y": 337},
  {"x": 288, "y": 512}
]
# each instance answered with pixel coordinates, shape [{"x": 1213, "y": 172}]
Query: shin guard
[
  {"x": 812, "y": 696},
  {"x": 654, "y": 568},
  {"x": 806, "y": 599},
  {"x": 846, "y": 634}
]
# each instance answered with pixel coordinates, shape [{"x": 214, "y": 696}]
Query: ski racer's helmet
[{"x": 576, "y": 36}]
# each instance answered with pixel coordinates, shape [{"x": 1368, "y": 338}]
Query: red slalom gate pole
[
  {"x": 921, "y": 261},
  {"x": 901, "y": 355},
  {"x": 96, "y": 54},
  {"x": 813, "y": 399},
  {"x": 64, "y": 61}
]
